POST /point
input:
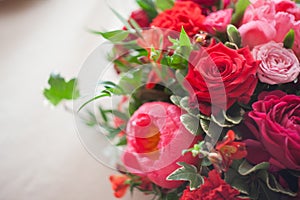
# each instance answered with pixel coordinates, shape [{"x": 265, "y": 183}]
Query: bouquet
[{"x": 208, "y": 99}]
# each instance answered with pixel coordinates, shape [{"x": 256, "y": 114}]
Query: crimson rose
[
  {"x": 276, "y": 128},
  {"x": 221, "y": 76},
  {"x": 184, "y": 14}
]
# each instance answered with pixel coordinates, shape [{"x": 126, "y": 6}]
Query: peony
[
  {"x": 288, "y": 6},
  {"x": 214, "y": 188},
  {"x": 184, "y": 14},
  {"x": 279, "y": 65},
  {"x": 218, "y": 21},
  {"x": 275, "y": 125},
  {"x": 296, "y": 47},
  {"x": 221, "y": 76},
  {"x": 156, "y": 138}
]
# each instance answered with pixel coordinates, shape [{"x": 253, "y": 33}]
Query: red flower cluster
[
  {"x": 184, "y": 14},
  {"x": 214, "y": 188}
]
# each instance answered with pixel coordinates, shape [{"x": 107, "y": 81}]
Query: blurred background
[{"x": 41, "y": 157}]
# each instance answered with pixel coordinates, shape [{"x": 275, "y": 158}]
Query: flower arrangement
[{"x": 210, "y": 99}]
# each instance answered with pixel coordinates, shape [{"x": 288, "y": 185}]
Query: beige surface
[{"x": 41, "y": 157}]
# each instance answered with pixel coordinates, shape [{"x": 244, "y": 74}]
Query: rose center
[{"x": 148, "y": 144}]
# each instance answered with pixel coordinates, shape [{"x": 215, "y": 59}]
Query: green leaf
[
  {"x": 60, "y": 89},
  {"x": 273, "y": 184},
  {"x": 184, "y": 39},
  {"x": 187, "y": 173},
  {"x": 149, "y": 7},
  {"x": 205, "y": 126},
  {"x": 164, "y": 4},
  {"x": 122, "y": 141},
  {"x": 289, "y": 39},
  {"x": 190, "y": 123},
  {"x": 113, "y": 36},
  {"x": 234, "y": 35},
  {"x": 245, "y": 168},
  {"x": 240, "y": 8},
  {"x": 175, "y": 100}
]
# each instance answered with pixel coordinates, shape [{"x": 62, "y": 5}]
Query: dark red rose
[
  {"x": 221, "y": 76},
  {"x": 275, "y": 126},
  {"x": 214, "y": 188},
  {"x": 141, "y": 18},
  {"x": 186, "y": 14}
]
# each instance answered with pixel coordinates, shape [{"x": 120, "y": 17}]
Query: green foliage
[
  {"x": 239, "y": 10},
  {"x": 182, "y": 48},
  {"x": 149, "y": 7},
  {"x": 289, "y": 39},
  {"x": 164, "y": 4},
  {"x": 110, "y": 89},
  {"x": 234, "y": 35},
  {"x": 60, "y": 89},
  {"x": 255, "y": 181},
  {"x": 190, "y": 123},
  {"x": 113, "y": 36},
  {"x": 187, "y": 173}
]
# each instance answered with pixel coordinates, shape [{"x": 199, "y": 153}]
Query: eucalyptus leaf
[
  {"x": 289, "y": 39},
  {"x": 149, "y": 7},
  {"x": 240, "y": 7},
  {"x": 234, "y": 35}
]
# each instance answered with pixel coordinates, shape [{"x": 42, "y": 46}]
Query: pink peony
[
  {"x": 218, "y": 21},
  {"x": 156, "y": 138},
  {"x": 296, "y": 47},
  {"x": 279, "y": 65},
  {"x": 275, "y": 125}
]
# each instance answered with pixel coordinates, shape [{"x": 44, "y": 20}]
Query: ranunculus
[
  {"x": 141, "y": 17},
  {"x": 296, "y": 47},
  {"x": 262, "y": 23},
  {"x": 288, "y": 6},
  {"x": 186, "y": 14},
  {"x": 275, "y": 125},
  {"x": 155, "y": 140},
  {"x": 214, "y": 188},
  {"x": 218, "y": 21},
  {"x": 279, "y": 65},
  {"x": 221, "y": 76}
]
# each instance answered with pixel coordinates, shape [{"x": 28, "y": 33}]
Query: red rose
[
  {"x": 214, "y": 188},
  {"x": 184, "y": 14},
  {"x": 141, "y": 18},
  {"x": 221, "y": 76},
  {"x": 275, "y": 125},
  {"x": 155, "y": 140}
]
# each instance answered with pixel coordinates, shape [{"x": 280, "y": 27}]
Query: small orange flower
[
  {"x": 227, "y": 151},
  {"x": 119, "y": 184}
]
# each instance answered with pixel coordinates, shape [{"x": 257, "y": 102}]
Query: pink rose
[
  {"x": 218, "y": 21},
  {"x": 279, "y": 65},
  {"x": 275, "y": 125},
  {"x": 155, "y": 140}
]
